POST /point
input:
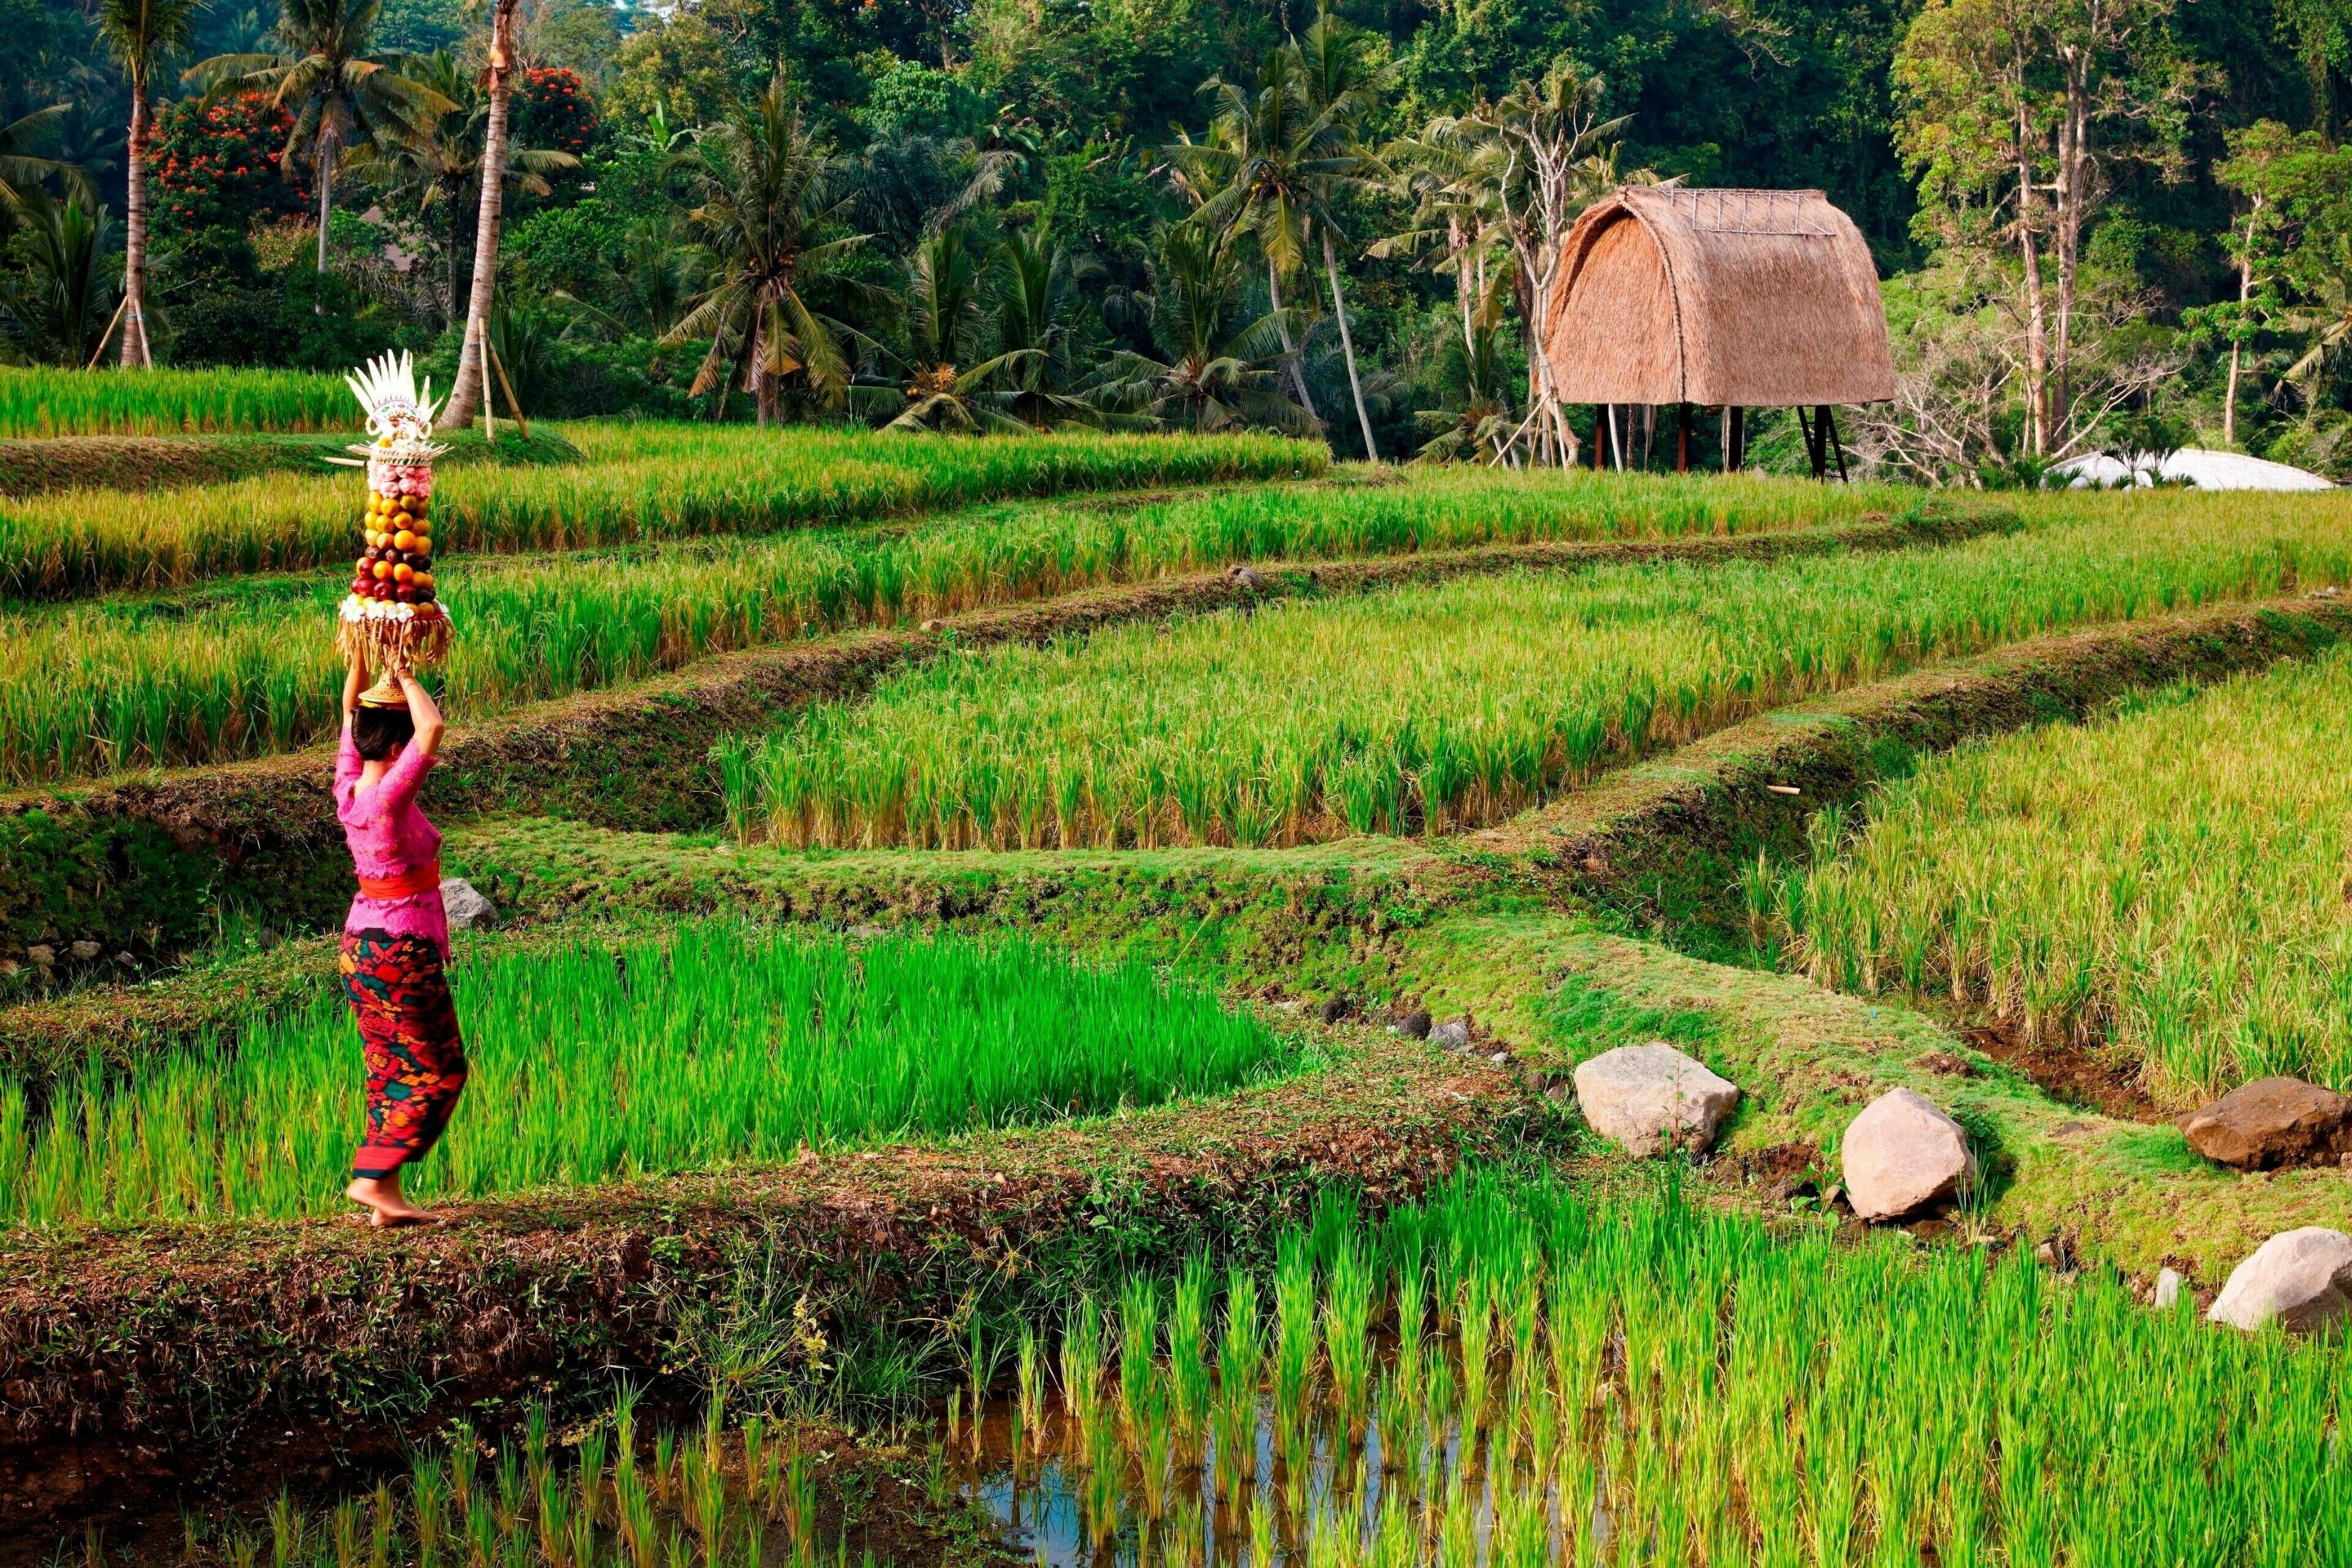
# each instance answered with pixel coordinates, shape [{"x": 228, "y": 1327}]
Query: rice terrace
[{"x": 1172, "y": 784}]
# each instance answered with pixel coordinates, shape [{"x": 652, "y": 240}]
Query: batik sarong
[{"x": 408, "y": 1029}]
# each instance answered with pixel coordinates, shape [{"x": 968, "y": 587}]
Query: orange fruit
[
  {"x": 403, "y": 572},
  {"x": 382, "y": 571},
  {"x": 404, "y": 539},
  {"x": 425, "y": 544}
]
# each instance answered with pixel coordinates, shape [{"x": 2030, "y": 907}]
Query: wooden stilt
[
  {"x": 1600, "y": 436},
  {"x": 1738, "y": 419},
  {"x": 1829, "y": 423},
  {"x": 1682, "y": 442}
]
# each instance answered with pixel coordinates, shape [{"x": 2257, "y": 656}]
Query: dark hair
[{"x": 376, "y": 731}]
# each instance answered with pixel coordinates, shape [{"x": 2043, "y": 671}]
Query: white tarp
[{"x": 2198, "y": 466}]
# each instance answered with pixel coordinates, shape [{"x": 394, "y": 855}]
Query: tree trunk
[
  {"x": 136, "y": 354},
  {"x": 2037, "y": 341},
  {"x": 452, "y": 192},
  {"x": 328, "y": 148},
  {"x": 2073, "y": 196},
  {"x": 463, "y": 396},
  {"x": 2238, "y": 338},
  {"x": 1347, "y": 347},
  {"x": 1289, "y": 353}
]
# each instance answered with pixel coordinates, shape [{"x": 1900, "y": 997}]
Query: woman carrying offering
[{"x": 396, "y": 944}]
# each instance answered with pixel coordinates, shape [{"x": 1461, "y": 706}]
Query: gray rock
[
  {"x": 1651, "y": 1098},
  {"x": 2168, "y": 1284},
  {"x": 85, "y": 949},
  {"x": 42, "y": 954},
  {"x": 1453, "y": 1034},
  {"x": 1901, "y": 1154},
  {"x": 2271, "y": 1122},
  {"x": 464, "y": 907},
  {"x": 2302, "y": 1278}
]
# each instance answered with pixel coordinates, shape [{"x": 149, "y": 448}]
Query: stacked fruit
[{"x": 397, "y": 565}]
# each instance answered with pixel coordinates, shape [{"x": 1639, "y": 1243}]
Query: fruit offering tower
[{"x": 395, "y": 613}]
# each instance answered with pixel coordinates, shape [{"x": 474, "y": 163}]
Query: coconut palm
[
  {"x": 1336, "y": 81},
  {"x": 1037, "y": 331},
  {"x": 22, "y": 170},
  {"x": 58, "y": 305},
  {"x": 438, "y": 169},
  {"x": 489, "y": 210},
  {"x": 137, "y": 33},
  {"x": 338, "y": 94},
  {"x": 1214, "y": 372},
  {"x": 947, "y": 384},
  {"x": 766, "y": 201}
]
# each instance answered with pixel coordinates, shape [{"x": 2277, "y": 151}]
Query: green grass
[
  {"x": 703, "y": 1046},
  {"x": 234, "y": 670},
  {"x": 1570, "y": 1377},
  {"x": 35, "y": 403},
  {"x": 2170, "y": 882},
  {"x": 1434, "y": 707},
  {"x": 639, "y": 485},
  {"x": 146, "y": 463}
]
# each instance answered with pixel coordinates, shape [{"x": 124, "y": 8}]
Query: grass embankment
[
  {"x": 151, "y": 463},
  {"x": 38, "y": 403},
  {"x": 2168, "y": 885},
  {"x": 230, "y": 671},
  {"x": 697, "y": 1048},
  {"x": 1437, "y": 708},
  {"x": 665, "y": 482}
]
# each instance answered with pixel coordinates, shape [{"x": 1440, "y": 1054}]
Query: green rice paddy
[
  {"x": 704, "y": 1046},
  {"x": 1434, "y": 707},
  {"x": 46, "y": 401},
  {"x": 2168, "y": 885},
  {"x": 227, "y": 670},
  {"x": 659, "y": 482}
]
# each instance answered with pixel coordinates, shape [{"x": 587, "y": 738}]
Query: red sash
[{"x": 408, "y": 884}]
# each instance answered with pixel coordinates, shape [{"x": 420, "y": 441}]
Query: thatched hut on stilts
[{"x": 1728, "y": 299}]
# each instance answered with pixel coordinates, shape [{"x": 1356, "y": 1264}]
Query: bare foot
[{"x": 383, "y": 1195}]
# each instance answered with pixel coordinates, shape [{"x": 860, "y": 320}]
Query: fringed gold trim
[{"x": 412, "y": 640}]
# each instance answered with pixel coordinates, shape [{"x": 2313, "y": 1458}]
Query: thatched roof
[{"x": 1755, "y": 299}]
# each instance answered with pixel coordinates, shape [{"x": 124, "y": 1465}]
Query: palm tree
[
  {"x": 1255, "y": 170},
  {"x": 61, "y": 303},
  {"x": 136, "y": 32},
  {"x": 1038, "y": 330},
  {"x": 944, "y": 323},
  {"x": 1335, "y": 82},
  {"x": 22, "y": 170},
  {"x": 488, "y": 213},
  {"x": 1212, "y": 374},
  {"x": 439, "y": 169},
  {"x": 339, "y": 95},
  {"x": 766, "y": 194}
]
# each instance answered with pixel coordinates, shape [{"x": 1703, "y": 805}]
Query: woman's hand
[{"x": 422, "y": 710}]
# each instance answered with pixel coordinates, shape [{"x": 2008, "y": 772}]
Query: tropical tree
[
  {"x": 489, "y": 210},
  {"x": 1338, "y": 81},
  {"x": 768, "y": 216},
  {"x": 338, "y": 94},
  {"x": 59, "y": 305},
  {"x": 22, "y": 170},
  {"x": 138, "y": 32},
  {"x": 944, "y": 388},
  {"x": 438, "y": 169},
  {"x": 1256, "y": 171},
  {"x": 1213, "y": 372},
  {"x": 1038, "y": 330}
]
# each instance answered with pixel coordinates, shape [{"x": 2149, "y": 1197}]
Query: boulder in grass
[
  {"x": 2271, "y": 1122},
  {"x": 1903, "y": 1154},
  {"x": 1652, "y": 1097},
  {"x": 464, "y": 905},
  {"x": 2301, "y": 1280}
]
